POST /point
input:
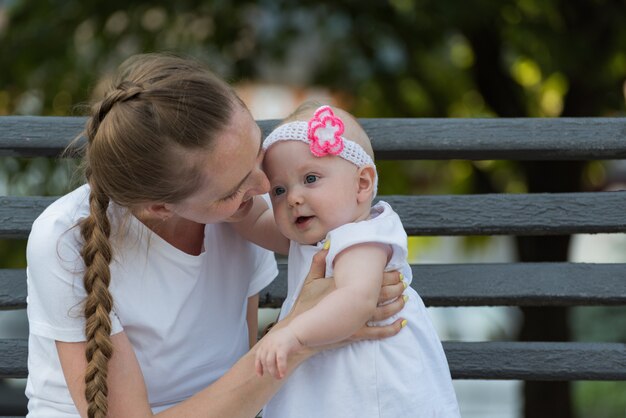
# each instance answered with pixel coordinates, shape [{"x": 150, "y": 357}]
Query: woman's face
[{"x": 232, "y": 175}]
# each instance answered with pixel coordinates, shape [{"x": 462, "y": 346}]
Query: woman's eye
[
  {"x": 279, "y": 190},
  {"x": 311, "y": 178},
  {"x": 232, "y": 196}
]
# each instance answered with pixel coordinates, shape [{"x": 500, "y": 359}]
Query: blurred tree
[{"x": 398, "y": 58}]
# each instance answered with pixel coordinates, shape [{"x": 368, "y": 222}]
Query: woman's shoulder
[
  {"x": 67, "y": 209},
  {"x": 54, "y": 241},
  {"x": 60, "y": 217}
]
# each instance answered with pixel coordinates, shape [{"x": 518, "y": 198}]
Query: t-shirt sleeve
[
  {"x": 265, "y": 272},
  {"x": 384, "y": 229},
  {"x": 55, "y": 281}
]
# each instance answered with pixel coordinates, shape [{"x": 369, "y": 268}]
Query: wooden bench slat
[
  {"x": 13, "y": 357},
  {"x": 17, "y": 214},
  {"x": 503, "y": 284},
  {"x": 498, "y": 138},
  {"x": 512, "y": 214},
  {"x": 425, "y": 138},
  {"x": 12, "y": 289},
  {"x": 500, "y": 284},
  {"x": 536, "y": 360},
  {"x": 468, "y": 360},
  {"x": 521, "y": 284},
  {"x": 37, "y": 136},
  {"x": 490, "y": 214}
]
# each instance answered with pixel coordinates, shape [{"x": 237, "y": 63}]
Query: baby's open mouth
[{"x": 302, "y": 219}]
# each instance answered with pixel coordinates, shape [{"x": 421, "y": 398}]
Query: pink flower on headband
[{"x": 325, "y": 130}]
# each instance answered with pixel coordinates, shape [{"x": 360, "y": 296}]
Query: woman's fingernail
[
  {"x": 406, "y": 298},
  {"x": 401, "y": 277},
  {"x": 326, "y": 245},
  {"x": 404, "y": 284},
  {"x": 403, "y": 323}
]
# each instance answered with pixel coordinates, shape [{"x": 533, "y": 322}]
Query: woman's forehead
[{"x": 233, "y": 155}]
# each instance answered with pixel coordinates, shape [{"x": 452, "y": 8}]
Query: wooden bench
[{"x": 505, "y": 284}]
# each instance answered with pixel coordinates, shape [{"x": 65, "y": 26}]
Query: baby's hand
[{"x": 273, "y": 351}]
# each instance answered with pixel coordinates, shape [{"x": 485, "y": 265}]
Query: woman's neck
[{"x": 183, "y": 234}]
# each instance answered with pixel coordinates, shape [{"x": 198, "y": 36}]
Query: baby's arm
[
  {"x": 357, "y": 274},
  {"x": 259, "y": 227}
]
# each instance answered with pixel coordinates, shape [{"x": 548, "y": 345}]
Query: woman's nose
[{"x": 261, "y": 184}]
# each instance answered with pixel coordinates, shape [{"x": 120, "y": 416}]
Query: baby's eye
[
  {"x": 311, "y": 178},
  {"x": 278, "y": 190}
]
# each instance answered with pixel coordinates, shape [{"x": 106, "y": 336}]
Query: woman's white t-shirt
[{"x": 184, "y": 315}]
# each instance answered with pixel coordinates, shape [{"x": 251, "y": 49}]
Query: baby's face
[{"x": 310, "y": 195}]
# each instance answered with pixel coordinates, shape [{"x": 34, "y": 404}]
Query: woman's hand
[
  {"x": 315, "y": 286},
  {"x": 314, "y": 289}
]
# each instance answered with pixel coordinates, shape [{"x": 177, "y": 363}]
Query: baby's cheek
[
  {"x": 278, "y": 212},
  {"x": 281, "y": 221}
]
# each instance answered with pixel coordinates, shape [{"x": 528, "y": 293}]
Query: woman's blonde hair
[{"x": 158, "y": 110}]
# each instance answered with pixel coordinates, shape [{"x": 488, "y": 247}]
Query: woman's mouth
[
  {"x": 245, "y": 206},
  {"x": 241, "y": 211}
]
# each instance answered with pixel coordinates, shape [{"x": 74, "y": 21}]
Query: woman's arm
[
  {"x": 259, "y": 227},
  {"x": 252, "y": 318},
  {"x": 238, "y": 394}
]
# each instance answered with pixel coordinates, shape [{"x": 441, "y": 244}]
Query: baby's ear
[{"x": 367, "y": 177}]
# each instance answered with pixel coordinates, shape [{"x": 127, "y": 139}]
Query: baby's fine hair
[
  {"x": 157, "y": 113},
  {"x": 353, "y": 129}
]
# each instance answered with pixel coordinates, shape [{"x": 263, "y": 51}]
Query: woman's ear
[
  {"x": 160, "y": 211},
  {"x": 366, "y": 179}
]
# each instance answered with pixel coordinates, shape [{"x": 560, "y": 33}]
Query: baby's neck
[{"x": 363, "y": 214}]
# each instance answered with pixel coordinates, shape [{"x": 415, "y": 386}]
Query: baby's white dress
[{"x": 406, "y": 375}]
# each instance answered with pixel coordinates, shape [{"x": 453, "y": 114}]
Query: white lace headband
[{"x": 323, "y": 133}]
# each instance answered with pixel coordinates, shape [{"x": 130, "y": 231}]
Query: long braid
[{"x": 97, "y": 255}]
